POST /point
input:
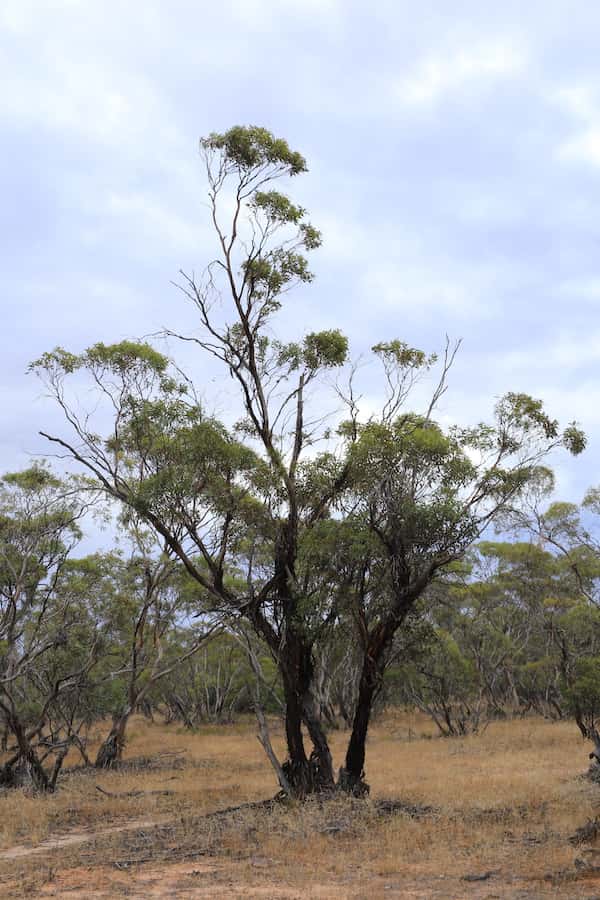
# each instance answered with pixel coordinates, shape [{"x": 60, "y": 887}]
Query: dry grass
[{"x": 505, "y": 801}]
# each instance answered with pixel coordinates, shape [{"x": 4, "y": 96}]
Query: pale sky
[{"x": 454, "y": 157}]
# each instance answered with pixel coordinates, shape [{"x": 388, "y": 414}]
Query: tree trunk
[
  {"x": 351, "y": 777},
  {"x": 294, "y": 658},
  {"x": 321, "y": 755},
  {"x": 111, "y": 750},
  {"x": 305, "y": 775},
  {"x": 24, "y": 767},
  {"x": 296, "y": 768}
]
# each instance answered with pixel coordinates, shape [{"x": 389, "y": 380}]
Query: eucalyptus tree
[
  {"x": 524, "y": 597},
  {"x": 425, "y": 494},
  {"x": 571, "y": 532},
  {"x": 47, "y": 647},
  {"x": 217, "y": 683},
  {"x": 493, "y": 652},
  {"x": 185, "y": 474},
  {"x": 144, "y": 617},
  {"x": 242, "y": 507}
]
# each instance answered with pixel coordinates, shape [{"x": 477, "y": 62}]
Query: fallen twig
[{"x": 127, "y": 794}]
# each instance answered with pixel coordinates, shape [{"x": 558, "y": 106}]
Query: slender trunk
[
  {"x": 58, "y": 764},
  {"x": 371, "y": 677},
  {"x": 513, "y": 689},
  {"x": 111, "y": 750},
  {"x": 180, "y": 709},
  {"x": 553, "y": 703},
  {"x": 293, "y": 724},
  {"x": 352, "y": 776},
  {"x": 265, "y": 740},
  {"x": 581, "y": 723},
  {"x": 344, "y": 712},
  {"x": 321, "y": 754}
]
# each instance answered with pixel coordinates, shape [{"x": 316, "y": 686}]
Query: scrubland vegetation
[
  {"x": 401, "y": 611},
  {"x": 506, "y": 802}
]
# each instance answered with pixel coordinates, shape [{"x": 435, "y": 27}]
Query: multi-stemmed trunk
[
  {"x": 24, "y": 766},
  {"x": 312, "y": 773},
  {"x": 293, "y": 652}
]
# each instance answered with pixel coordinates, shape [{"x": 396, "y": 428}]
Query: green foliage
[
  {"x": 251, "y": 147},
  {"x": 574, "y": 439},
  {"x": 129, "y": 359},
  {"x": 267, "y": 276},
  {"x": 401, "y": 355},
  {"x": 582, "y": 694},
  {"x": 126, "y": 357},
  {"x": 325, "y": 349},
  {"x": 591, "y": 501},
  {"x": 310, "y": 236},
  {"x": 277, "y": 207},
  {"x": 525, "y": 413},
  {"x": 31, "y": 480},
  {"x": 445, "y": 684}
]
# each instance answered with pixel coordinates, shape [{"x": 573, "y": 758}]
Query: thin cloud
[
  {"x": 580, "y": 102},
  {"x": 437, "y": 76},
  {"x": 452, "y": 161}
]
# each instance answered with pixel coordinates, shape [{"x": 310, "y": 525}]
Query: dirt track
[
  {"x": 262, "y": 877},
  {"x": 72, "y": 839},
  {"x": 201, "y": 879}
]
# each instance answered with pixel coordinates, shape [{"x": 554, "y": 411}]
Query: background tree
[
  {"x": 151, "y": 607},
  {"x": 48, "y": 643}
]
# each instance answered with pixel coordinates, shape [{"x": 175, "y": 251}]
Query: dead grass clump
[{"x": 586, "y": 834}]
